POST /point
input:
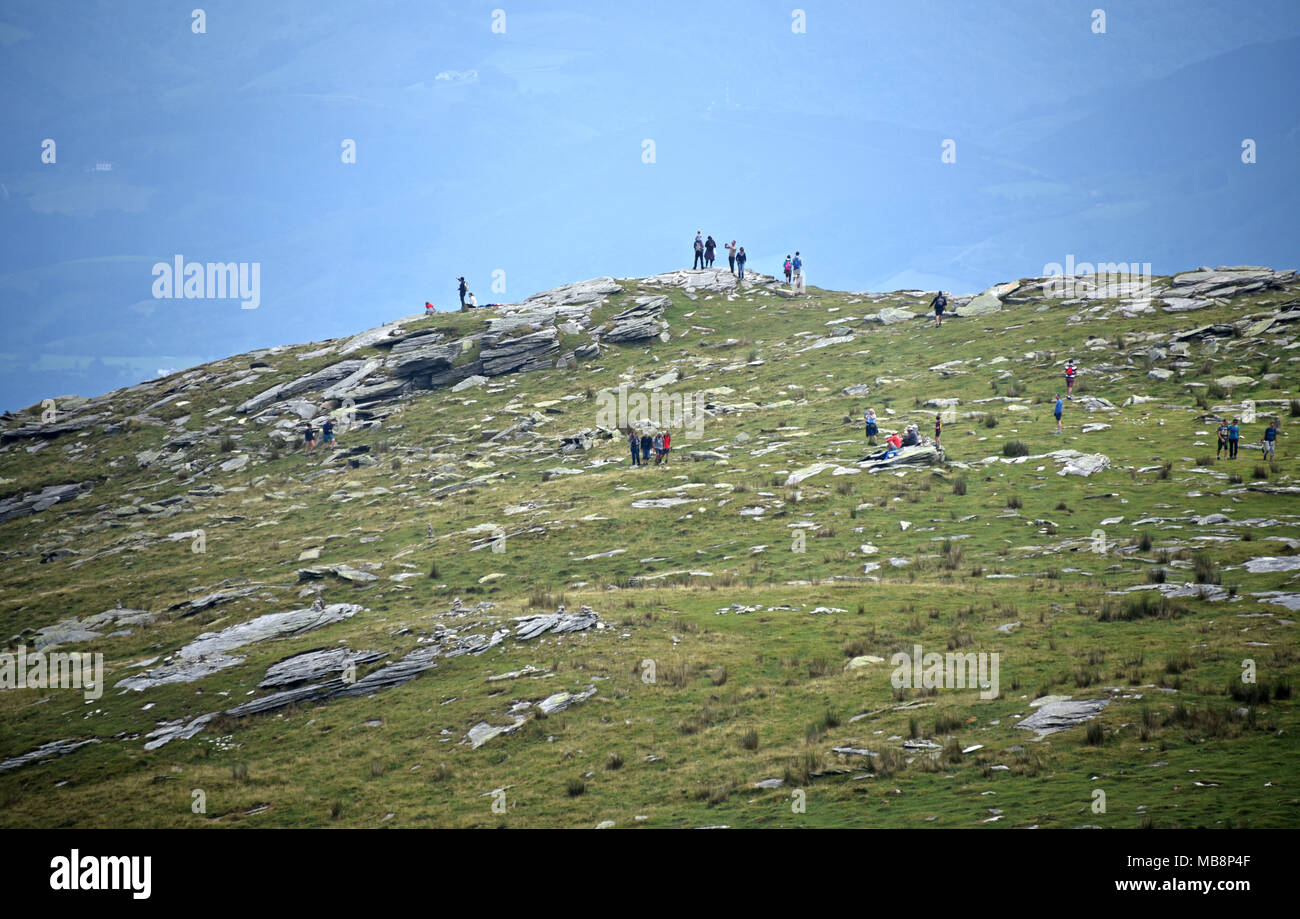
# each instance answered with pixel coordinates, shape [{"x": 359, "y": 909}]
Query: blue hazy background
[{"x": 522, "y": 151}]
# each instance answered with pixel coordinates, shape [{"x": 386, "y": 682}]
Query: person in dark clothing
[
  {"x": 1223, "y": 439},
  {"x": 463, "y": 289},
  {"x": 1234, "y": 437},
  {"x": 699, "y": 252},
  {"x": 939, "y": 304},
  {"x": 741, "y": 258},
  {"x": 309, "y": 437},
  {"x": 646, "y": 443},
  {"x": 709, "y": 247},
  {"x": 634, "y": 444}
]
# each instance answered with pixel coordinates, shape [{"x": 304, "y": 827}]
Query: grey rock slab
[
  {"x": 1062, "y": 715},
  {"x": 176, "y": 730},
  {"x": 46, "y": 751},
  {"x": 313, "y": 665},
  {"x": 317, "y": 380}
]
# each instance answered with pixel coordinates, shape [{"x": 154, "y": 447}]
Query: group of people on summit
[{"x": 705, "y": 249}]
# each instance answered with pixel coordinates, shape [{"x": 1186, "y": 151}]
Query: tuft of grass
[{"x": 1015, "y": 448}]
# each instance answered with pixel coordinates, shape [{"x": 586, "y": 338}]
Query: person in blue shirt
[
  {"x": 634, "y": 444},
  {"x": 1234, "y": 436},
  {"x": 797, "y": 265},
  {"x": 1060, "y": 407},
  {"x": 1270, "y": 439}
]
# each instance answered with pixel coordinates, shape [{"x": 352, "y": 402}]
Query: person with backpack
[
  {"x": 797, "y": 265},
  {"x": 659, "y": 447},
  {"x": 741, "y": 257},
  {"x": 872, "y": 428},
  {"x": 938, "y": 429},
  {"x": 789, "y": 267},
  {"x": 668, "y": 445},
  {"x": 463, "y": 288},
  {"x": 1070, "y": 371},
  {"x": 634, "y": 444},
  {"x": 1223, "y": 439},
  {"x": 1234, "y": 436},
  {"x": 709, "y": 247},
  {"x": 699, "y": 251},
  {"x": 939, "y": 304},
  {"x": 647, "y": 444},
  {"x": 1057, "y": 411},
  {"x": 309, "y": 437},
  {"x": 731, "y": 255}
]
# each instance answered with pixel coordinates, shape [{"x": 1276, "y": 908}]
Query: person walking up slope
[
  {"x": 1234, "y": 437},
  {"x": 1270, "y": 439},
  {"x": 797, "y": 265},
  {"x": 1070, "y": 372},
  {"x": 1057, "y": 411},
  {"x": 1223, "y": 439},
  {"x": 939, "y": 304}
]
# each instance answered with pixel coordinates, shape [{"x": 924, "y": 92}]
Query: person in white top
[{"x": 471, "y": 301}]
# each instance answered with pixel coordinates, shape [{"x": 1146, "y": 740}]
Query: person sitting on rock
[
  {"x": 471, "y": 301},
  {"x": 911, "y": 437}
]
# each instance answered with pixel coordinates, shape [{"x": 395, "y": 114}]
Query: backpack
[
  {"x": 941, "y": 301},
  {"x": 798, "y": 263},
  {"x": 787, "y": 265},
  {"x": 699, "y": 246}
]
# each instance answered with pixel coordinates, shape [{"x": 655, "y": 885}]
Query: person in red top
[
  {"x": 668, "y": 442},
  {"x": 895, "y": 441},
  {"x": 1070, "y": 371}
]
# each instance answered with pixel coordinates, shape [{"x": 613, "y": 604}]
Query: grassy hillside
[{"x": 738, "y": 624}]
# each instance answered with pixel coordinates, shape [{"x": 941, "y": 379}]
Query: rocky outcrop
[
  {"x": 22, "y": 506},
  {"x": 520, "y": 355},
  {"x": 642, "y": 320},
  {"x": 316, "y": 380}
]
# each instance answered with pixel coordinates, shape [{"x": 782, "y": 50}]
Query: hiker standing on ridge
[
  {"x": 1057, "y": 410},
  {"x": 463, "y": 288},
  {"x": 797, "y": 265},
  {"x": 939, "y": 304},
  {"x": 1070, "y": 371},
  {"x": 699, "y": 251},
  {"x": 741, "y": 258},
  {"x": 731, "y": 255},
  {"x": 789, "y": 266},
  {"x": 709, "y": 247}
]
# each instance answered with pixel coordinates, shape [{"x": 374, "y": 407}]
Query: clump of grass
[
  {"x": 959, "y": 487},
  {"x": 1206, "y": 569},
  {"x": 1156, "y": 575},
  {"x": 749, "y": 740},
  {"x": 1144, "y": 541},
  {"x": 575, "y": 787},
  {"x": 1015, "y": 448},
  {"x": 614, "y": 762},
  {"x": 990, "y": 421},
  {"x": 1146, "y": 604},
  {"x": 945, "y": 724},
  {"x": 1014, "y": 502},
  {"x": 1095, "y": 736}
]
